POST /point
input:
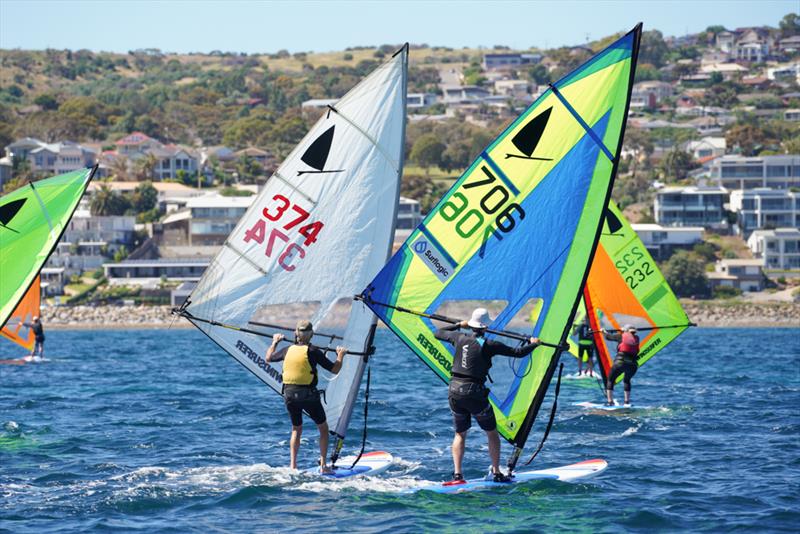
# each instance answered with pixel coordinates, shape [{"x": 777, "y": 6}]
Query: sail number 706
[
  {"x": 468, "y": 221},
  {"x": 296, "y": 216}
]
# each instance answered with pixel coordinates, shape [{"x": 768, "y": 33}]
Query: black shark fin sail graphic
[
  {"x": 530, "y": 135},
  {"x": 316, "y": 155},
  {"x": 614, "y": 224},
  {"x": 10, "y": 210}
]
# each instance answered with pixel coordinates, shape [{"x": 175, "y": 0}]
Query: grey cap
[
  {"x": 628, "y": 328},
  {"x": 304, "y": 326}
]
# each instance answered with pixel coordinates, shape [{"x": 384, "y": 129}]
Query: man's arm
[
  {"x": 277, "y": 338},
  {"x": 450, "y": 332},
  {"x": 613, "y": 336},
  {"x": 325, "y": 363},
  {"x": 502, "y": 349}
]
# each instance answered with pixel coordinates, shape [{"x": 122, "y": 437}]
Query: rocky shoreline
[{"x": 704, "y": 313}]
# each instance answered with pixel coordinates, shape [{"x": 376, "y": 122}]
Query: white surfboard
[
  {"x": 371, "y": 463},
  {"x": 566, "y": 473},
  {"x": 607, "y": 408}
]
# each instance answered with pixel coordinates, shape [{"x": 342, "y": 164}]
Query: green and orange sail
[
  {"x": 520, "y": 227},
  {"x": 626, "y": 287},
  {"x": 32, "y": 219}
]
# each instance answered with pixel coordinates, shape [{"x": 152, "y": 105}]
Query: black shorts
[
  {"x": 301, "y": 399},
  {"x": 626, "y": 366},
  {"x": 469, "y": 400}
]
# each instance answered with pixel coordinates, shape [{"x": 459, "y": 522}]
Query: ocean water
[{"x": 159, "y": 431}]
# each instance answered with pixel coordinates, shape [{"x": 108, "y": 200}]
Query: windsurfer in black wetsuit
[
  {"x": 468, "y": 396},
  {"x": 38, "y": 334},
  {"x": 627, "y": 361},
  {"x": 585, "y": 346}
]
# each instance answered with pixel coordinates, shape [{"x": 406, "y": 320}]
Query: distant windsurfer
[
  {"x": 585, "y": 346},
  {"x": 468, "y": 396},
  {"x": 38, "y": 334},
  {"x": 627, "y": 361},
  {"x": 300, "y": 361}
]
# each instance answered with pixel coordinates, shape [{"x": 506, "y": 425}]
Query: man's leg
[
  {"x": 580, "y": 359},
  {"x": 494, "y": 449},
  {"x": 459, "y": 443},
  {"x": 323, "y": 445},
  {"x": 294, "y": 445}
]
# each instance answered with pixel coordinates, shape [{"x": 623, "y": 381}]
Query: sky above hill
[{"x": 301, "y": 26}]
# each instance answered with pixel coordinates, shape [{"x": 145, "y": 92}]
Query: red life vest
[{"x": 629, "y": 344}]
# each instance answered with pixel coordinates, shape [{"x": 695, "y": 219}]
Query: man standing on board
[
  {"x": 627, "y": 361},
  {"x": 300, "y": 392},
  {"x": 468, "y": 396},
  {"x": 38, "y": 334},
  {"x": 585, "y": 346}
]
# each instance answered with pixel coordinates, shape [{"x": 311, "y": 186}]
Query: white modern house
[
  {"x": 746, "y": 275},
  {"x": 691, "y": 206},
  {"x": 706, "y": 147},
  {"x": 416, "y": 101},
  {"x": 205, "y": 221},
  {"x": 52, "y": 158},
  {"x": 662, "y": 241},
  {"x": 764, "y": 207},
  {"x": 408, "y": 214},
  {"x": 779, "y": 248},
  {"x": 740, "y": 172}
]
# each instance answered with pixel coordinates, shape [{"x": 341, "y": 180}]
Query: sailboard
[
  {"x": 625, "y": 286},
  {"x": 16, "y": 328},
  {"x": 315, "y": 235},
  {"x": 567, "y": 473},
  {"x": 32, "y": 220},
  {"x": 519, "y": 226}
]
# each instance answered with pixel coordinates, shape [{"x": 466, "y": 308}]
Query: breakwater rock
[{"x": 705, "y": 313}]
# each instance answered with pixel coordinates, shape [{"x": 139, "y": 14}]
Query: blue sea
[{"x": 137, "y": 430}]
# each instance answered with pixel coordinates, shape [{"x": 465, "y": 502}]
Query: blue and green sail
[
  {"x": 520, "y": 226},
  {"x": 32, "y": 219}
]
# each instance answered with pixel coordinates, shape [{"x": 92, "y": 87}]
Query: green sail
[
  {"x": 32, "y": 219},
  {"x": 519, "y": 226}
]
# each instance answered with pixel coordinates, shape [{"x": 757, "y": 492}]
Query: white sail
[{"x": 318, "y": 232}]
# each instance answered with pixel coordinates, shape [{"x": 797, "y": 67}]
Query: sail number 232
[{"x": 277, "y": 241}]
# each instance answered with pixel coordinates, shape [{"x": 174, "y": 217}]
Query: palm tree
[
  {"x": 119, "y": 168},
  {"x": 145, "y": 167},
  {"x": 102, "y": 201}
]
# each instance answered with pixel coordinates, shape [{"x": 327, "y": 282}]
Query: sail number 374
[{"x": 295, "y": 216}]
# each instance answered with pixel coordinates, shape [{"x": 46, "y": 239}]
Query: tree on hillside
[
  {"x": 426, "y": 191},
  {"x": 427, "y": 152},
  {"x": 746, "y": 137},
  {"x": 790, "y": 25},
  {"x": 676, "y": 164},
  {"x": 144, "y": 198},
  {"x": 653, "y": 49},
  {"x": 686, "y": 274},
  {"x": 144, "y": 168},
  {"x": 105, "y": 201}
]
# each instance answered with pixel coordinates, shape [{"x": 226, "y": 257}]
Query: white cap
[
  {"x": 628, "y": 328},
  {"x": 480, "y": 318}
]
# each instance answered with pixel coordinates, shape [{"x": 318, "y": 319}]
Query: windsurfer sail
[
  {"x": 32, "y": 219},
  {"x": 319, "y": 230},
  {"x": 17, "y": 327},
  {"x": 626, "y": 287},
  {"x": 521, "y": 224}
]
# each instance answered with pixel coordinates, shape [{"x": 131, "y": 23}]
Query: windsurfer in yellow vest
[
  {"x": 300, "y": 392},
  {"x": 627, "y": 361},
  {"x": 585, "y": 346}
]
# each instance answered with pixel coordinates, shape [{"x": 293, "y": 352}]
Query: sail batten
[
  {"x": 319, "y": 230},
  {"x": 520, "y": 224}
]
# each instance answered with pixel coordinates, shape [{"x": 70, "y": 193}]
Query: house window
[{"x": 165, "y": 164}]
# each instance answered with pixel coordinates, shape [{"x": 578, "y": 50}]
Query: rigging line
[
  {"x": 372, "y": 140},
  {"x": 552, "y": 417},
  {"x": 243, "y": 256},
  {"x": 278, "y": 175},
  {"x": 292, "y": 329},
  {"x": 583, "y": 123},
  {"x": 41, "y": 205},
  {"x": 366, "y": 413},
  {"x": 436, "y": 317},
  {"x": 191, "y": 317}
]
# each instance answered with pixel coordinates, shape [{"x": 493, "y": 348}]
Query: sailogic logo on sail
[{"x": 434, "y": 258}]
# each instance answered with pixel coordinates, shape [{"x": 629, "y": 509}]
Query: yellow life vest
[{"x": 296, "y": 367}]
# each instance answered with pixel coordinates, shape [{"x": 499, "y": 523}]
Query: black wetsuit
[
  {"x": 300, "y": 397},
  {"x": 468, "y": 396},
  {"x": 585, "y": 343},
  {"x": 623, "y": 363}
]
